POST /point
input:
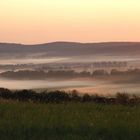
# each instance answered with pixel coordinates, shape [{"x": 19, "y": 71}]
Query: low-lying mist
[{"x": 81, "y": 85}]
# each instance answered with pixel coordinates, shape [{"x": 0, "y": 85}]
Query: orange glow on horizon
[{"x": 39, "y": 21}]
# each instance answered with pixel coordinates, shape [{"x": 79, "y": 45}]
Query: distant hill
[{"x": 73, "y": 49}]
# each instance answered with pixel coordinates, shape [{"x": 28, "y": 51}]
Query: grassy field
[{"x": 71, "y": 121}]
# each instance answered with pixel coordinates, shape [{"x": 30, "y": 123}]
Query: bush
[
  {"x": 62, "y": 96},
  {"x": 122, "y": 98}
]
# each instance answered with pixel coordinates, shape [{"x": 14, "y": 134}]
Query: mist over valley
[{"x": 69, "y": 65}]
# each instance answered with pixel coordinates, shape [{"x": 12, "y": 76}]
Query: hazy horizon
[{"x": 61, "y": 41}]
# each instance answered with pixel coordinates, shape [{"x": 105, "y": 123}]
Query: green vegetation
[
  {"x": 58, "y": 115},
  {"x": 68, "y": 121}
]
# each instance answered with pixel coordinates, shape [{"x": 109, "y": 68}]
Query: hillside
[{"x": 73, "y": 49}]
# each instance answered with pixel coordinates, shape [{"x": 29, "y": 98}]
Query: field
[{"x": 68, "y": 121}]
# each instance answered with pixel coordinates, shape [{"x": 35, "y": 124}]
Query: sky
[{"x": 41, "y": 21}]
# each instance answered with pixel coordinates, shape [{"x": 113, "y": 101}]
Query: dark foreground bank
[{"x": 66, "y": 97}]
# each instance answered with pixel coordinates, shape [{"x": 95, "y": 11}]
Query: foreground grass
[{"x": 71, "y": 121}]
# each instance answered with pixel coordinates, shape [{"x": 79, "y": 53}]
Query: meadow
[{"x": 68, "y": 121}]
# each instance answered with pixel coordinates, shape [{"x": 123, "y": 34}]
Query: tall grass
[{"x": 68, "y": 121}]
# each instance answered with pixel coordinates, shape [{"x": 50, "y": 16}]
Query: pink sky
[{"x": 39, "y": 21}]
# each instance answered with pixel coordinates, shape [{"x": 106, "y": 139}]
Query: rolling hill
[{"x": 72, "y": 49}]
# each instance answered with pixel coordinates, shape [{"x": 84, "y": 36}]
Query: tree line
[
  {"x": 58, "y": 96},
  {"x": 28, "y": 74}
]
